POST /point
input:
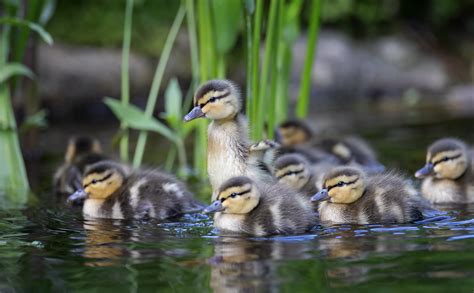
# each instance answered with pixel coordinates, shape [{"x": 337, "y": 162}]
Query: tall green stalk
[
  {"x": 257, "y": 25},
  {"x": 266, "y": 69},
  {"x": 249, "y": 62},
  {"x": 160, "y": 69},
  {"x": 125, "y": 90},
  {"x": 305, "y": 85}
]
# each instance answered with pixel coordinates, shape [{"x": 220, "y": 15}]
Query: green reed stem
[
  {"x": 249, "y": 62},
  {"x": 266, "y": 69},
  {"x": 155, "y": 86},
  {"x": 125, "y": 81},
  {"x": 257, "y": 28},
  {"x": 303, "y": 98}
]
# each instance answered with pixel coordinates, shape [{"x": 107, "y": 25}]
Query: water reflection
[{"x": 104, "y": 242}]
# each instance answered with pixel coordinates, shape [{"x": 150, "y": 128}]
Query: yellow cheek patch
[
  {"x": 342, "y": 151},
  {"x": 94, "y": 176},
  {"x": 344, "y": 178}
]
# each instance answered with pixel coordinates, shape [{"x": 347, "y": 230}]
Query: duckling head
[
  {"x": 293, "y": 132},
  {"x": 216, "y": 100},
  {"x": 292, "y": 170},
  {"x": 342, "y": 185},
  {"x": 446, "y": 158},
  {"x": 100, "y": 180},
  {"x": 238, "y": 195},
  {"x": 80, "y": 145}
]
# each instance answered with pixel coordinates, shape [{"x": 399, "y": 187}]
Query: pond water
[{"x": 49, "y": 247}]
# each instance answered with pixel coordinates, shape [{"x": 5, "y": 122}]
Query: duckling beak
[
  {"x": 321, "y": 195},
  {"x": 427, "y": 170},
  {"x": 195, "y": 113},
  {"x": 77, "y": 197},
  {"x": 216, "y": 206}
]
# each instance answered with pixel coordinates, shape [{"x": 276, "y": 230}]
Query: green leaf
[
  {"x": 173, "y": 103},
  {"x": 31, "y": 25},
  {"x": 11, "y": 69},
  {"x": 136, "y": 118},
  {"x": 227, "y": 16},
  {"x": 37, "y": 120}
]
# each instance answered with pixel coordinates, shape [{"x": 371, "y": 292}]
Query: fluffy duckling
[
  {"x": 296, "y": 172},
  {"x": 296, "y": 136},
  {"x": 263, "y": 154},
  {"x": 350, "y": 196},
  {"x": 110, "y": 192},
  {"x": 448, "y": 176},
  {"x": 228, "y": 142},
  {"x": 81, "y": 151},
  {"x": 244, "y": 206}
]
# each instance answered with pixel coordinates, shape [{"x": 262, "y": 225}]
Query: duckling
[
  {"x": 263, "y": 154},
  {"x": 245, "y": 206},
  {"x": 351, "y": 196},
  {"x": 228, "y": 142},
  {"x": 110, "y": 192},
  {"x": 296, "y": 136},
  {"x": 81, "y": 151},
  {"x": 448, "y": 176},
  {"x": 296, "y": 172}
]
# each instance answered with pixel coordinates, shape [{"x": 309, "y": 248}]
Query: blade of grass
[
  {"x": 248, "y": 10},
  {"x": 152, "y": 97},
  {"x": 305, "y": 84},
  {"x": 125, "y": 88},
  {"x": 257, "y": 25}
]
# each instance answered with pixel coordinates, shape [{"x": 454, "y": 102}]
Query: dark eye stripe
[
  {"x": 290, "y": 172},
  {"x": 238, "y": 194},
  {"x": 345, "y": 183},
  {"x": 100, "y": 180},
  {"x": 216, "y": 98},
  {"x": 447, "y": 159}
]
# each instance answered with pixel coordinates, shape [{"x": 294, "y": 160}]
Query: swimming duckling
[
  {"x": 110, "y": 193},
  {"x": 244, "y": 206},
  {"x": 350, "y": 196},
  {"x": 81, "y": 151},
  {"x": 263, "y": 154},
  {"x": 296, "y": 136},
  {"x": 296, "y": 172},
  {"x": 228, "y": 141},
  {"x": 448, "y": 173}
]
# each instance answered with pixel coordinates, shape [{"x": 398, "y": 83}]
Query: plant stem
[
  {"x": 303, "y": 98},
  {"x": 125, "y": 90},
  {"x": 160, "y": 69},
  {"x": 249, "y": 64},
  {"x": 255, "y": 64},
  {"x": 194, "y": 51},
  {"x": 267, "y": 64}
]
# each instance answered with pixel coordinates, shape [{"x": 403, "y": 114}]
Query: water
[{"x": 49, "y": 247}]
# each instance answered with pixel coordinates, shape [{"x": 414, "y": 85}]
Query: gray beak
[
  {"x": 321, "y": 195},
  {"x": 216, "y": 206},
  {"x": 427, "y": 170},
  {"x": 195, "y": 113},
  {"x": 77, "y": 196}
]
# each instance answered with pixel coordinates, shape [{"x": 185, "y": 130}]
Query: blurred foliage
[{"x": 99, "y": 23}]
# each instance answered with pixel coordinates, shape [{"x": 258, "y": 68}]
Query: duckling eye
[
  {"x": 340, "y": 184},
  {"x": 94, "y": 181},
  {"x": 212, "y": 100},
  {"x": 445, "y": 159},
  {"x": 233, "y": 195}
]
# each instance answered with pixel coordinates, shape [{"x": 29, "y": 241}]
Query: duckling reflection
[
  {"x": 104, "y": 239},
  {"x": 243, "y": 265},
  {"x": 448, "y": 176}
]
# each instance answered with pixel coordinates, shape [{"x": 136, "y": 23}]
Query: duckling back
[
  {"x": 387, "y": 199},
  {"x": 280, "y": 211}
]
